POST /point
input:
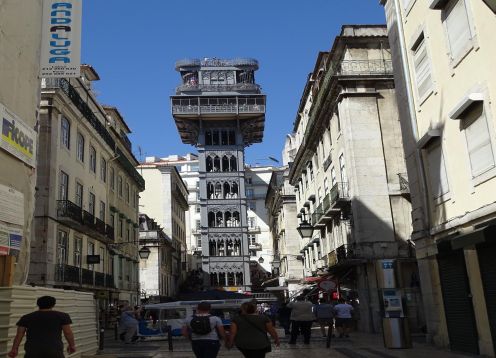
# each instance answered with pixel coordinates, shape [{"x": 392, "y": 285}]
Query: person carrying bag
[{"x": 249, "y": 332}]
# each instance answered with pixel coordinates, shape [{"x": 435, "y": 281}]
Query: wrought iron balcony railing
[
  {"x": 339, "y": 192},
  {"x": 345, "y": 253},
  {"x": 327, "y": 162},
  {"x": 198, "y": 105},
  {"x": 364, "y": 67},
  {"x": 326, "y": 203},
  {"x": 109, "y": 232},
  {"x": 67, "y": 209},
  {"x": 89, "y": 220},
  {"x": 87, "y": 277},
  {"x": 216, "y": 62},
  {"x": 109, "y": 281},
  {"x": 100, "y": 226},
  {"x": 235, "y": 87}
]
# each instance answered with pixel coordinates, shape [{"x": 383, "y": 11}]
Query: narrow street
[{"x": 359, "y": 345}]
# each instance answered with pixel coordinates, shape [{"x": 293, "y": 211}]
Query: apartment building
[
  {"x": 349, "y": 173},
  {"x": 20, "y": 25},
  {"x": 85, "y": 233},
  {"x": 166, "y": 199},
  {"x": 442, "y": 57}
]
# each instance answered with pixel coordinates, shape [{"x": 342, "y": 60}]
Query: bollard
[
  {"x": 102, "y": 337},
  {"x": 116, "y": 331},
  {"x": 169, "y": 338},
  {"x": 329, "y": 335}
]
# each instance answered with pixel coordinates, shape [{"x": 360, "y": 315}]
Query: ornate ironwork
[
  {"x": 100, "y": 226},
  {"x": 109, "y": 232},
  {"x": 67, "y": 209},
  {"x": 87, "y": 277},
  {"x": 89, "y": 220},
  {"x": 339, "y": 192},
  {"x": 345, "y": 253},
  {"x": 364, "y": 67},
  {"x": 99, "y": 279},
  {"x": 251, "y": 87}
]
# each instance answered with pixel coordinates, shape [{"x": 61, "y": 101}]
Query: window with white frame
[
  {"x": 477, "y": 135},
  {"x": 333, "y": 176},
  {"x": 91, "y": 251},
  {"x": 252, "y": 239},
  {"x": 80, "y": 147},
  {"x": 342, "y": 168},
  {"x": 62, "y": 247},
  {"x": 92, "y": 159},
  {"x": 103, "y": 169},
  {"x": 326, "y": 186},
  {"x": 79, "y": 194},
  {"x": 78, "y": 248},
  {"x": 102, "y": 211},
  {"x": 128, "y": 193},
  {"x": 438, "y": 177},
  {"x": 458, "y": 28},
  {"x": 422, "y": 67},
  {"x": 91, "y": 204},
  {"x": 65, "y": 133},
  {"x": 63, "y": 185}
]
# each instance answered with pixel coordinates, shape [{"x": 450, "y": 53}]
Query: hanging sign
[
  {"x": 328, "y": 285},
  {"x": 61, "y": 38}
]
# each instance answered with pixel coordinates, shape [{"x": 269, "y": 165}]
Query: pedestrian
[
  {"x": 204, "y": 331},
  {"x": 284, "y": 314},
  {"x": 324, "y": 313},
  {"x": 249, "y": 332},
  {"x": 128, "y": 325},
  {"x": 343, "y": 314},
  {"x": 302, "y": 318},
  {"x": 43, "y": 329}
]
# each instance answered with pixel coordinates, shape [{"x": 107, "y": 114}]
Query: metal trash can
[{"x": 396, "y": 333}]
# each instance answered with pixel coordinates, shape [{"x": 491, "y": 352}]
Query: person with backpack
[
  {"x": 204, "y": 331},
  {"x": 249, "y": 332}
]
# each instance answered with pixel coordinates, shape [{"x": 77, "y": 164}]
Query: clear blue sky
[{"x": 133, "y": 45}]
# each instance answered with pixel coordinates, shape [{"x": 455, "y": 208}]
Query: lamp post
[
  {"x": 144, "y": 253},
  {"x": 305, "y": 229}
]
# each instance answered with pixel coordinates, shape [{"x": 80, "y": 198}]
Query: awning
[
  {"x": 265, "y": 283},
  {"x": 316, "y": 278}
]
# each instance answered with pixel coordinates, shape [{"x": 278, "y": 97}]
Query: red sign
[{"x": 328, "y": 285}]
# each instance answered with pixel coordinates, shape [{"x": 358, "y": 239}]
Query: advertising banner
[
  {"x": 16, "y": 137},
  {"x": 61, "y": 38}
]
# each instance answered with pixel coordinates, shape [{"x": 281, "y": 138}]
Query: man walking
[
  {"x": 43, "y": 329},
  {"x": 343, "y": 317},
  {"x": 324, "y": 313},
  {"x": 204, "y": 330},
  {"x": 302, "y": 318}
]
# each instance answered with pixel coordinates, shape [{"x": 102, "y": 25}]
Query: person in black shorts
[{"x": 43, "y": 329}]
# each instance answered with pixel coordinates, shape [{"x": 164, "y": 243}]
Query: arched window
[
  {"x": 237, "y": 248},
  {"x": 208, "y": 138},
  {"x": 216, "y": 164},
  {"x": 211, "y": 219},
  {"x": 219, "y": 220},
  {"x": 234, "y": 190},
  {"x": 228, "y": 218},
  {"x": 233, "y": 164},
  {"x": 214, "y": 279},
  {"x": 225, "y": 163},
  {"x": 239, "y": 278},
  {"x": 227, "y": 190},
  {"x": 218, "y": 191},
  {"x": 222, "y": 279},
  {"x": 209, "y": 164},
  {"x": 221, "y": 248},
  {"x": 229, "y": 248},
  {"x": 231, "y": 279},
  {"x": 235, "y": 218},
  {"x": 212, "y": 248},
  {"x": 210, "y": 190}
]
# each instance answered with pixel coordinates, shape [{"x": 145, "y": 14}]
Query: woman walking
[{"x": 249, "y": 332}]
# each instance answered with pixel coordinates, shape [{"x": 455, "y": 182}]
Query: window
[
  {"x": 198, "y": 208},
  {"x": 61, "y": 247},
  {"x": 480, "y": 150},
  {"x": 198, "y": 225},
  {"x": 80, "y": 147},
  {"x": 91, "y": 251},
  {"x": 79, "y": 195},
  {"x": 310, "y": 170},
  {"x": 342, "y": 168},
  {"x": 92, "y": 159},
  {"x": 119, "y": 185},
  {"x": 112, "y": 178},
  {"x": 91, "y": 204},
  {"x": 103, "y": 169},
  {"x": 102, "y": 211},
  {"x": 121, "y": 227},
  {"x": 112, "y": 220},
  {"x": 78, "y": 248},
  {"x": 249, "y": 193},
  {"x": 63, "y": 186},
  {"x": 333, "y": 177},
  {"x": 252, "y": 239},
  {"x": 252, "y": 222},
  {"x": 326, "y": 186},
  {"x": 422, "y": 66},
  {"x": 458, "y": 29},
  {"x": 127, "y": 193},
  {"x": 248, "y": 180},
  {"x": 252, "y": 205},
  {"x": 65, "y": 133},
  {"x": 437, "y": 171}
]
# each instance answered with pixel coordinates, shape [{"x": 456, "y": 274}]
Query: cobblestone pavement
[{"x": 359, "y": 345}]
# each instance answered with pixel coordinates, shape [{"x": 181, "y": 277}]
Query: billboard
[{"x": 61, "y": 38}]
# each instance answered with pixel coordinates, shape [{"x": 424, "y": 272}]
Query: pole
[
  {"x": 329, "y": 334},
  {"x": 169, "y": 338},
  {"x": 102, "y": 337}
]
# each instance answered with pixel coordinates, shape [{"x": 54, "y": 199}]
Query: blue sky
[{"x": 133, "y": 45}]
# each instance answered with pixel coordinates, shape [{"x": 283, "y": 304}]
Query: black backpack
[{"x": 200, "y": 325}]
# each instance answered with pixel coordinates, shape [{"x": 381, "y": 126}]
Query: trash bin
[{"x": 396, "y": 332}]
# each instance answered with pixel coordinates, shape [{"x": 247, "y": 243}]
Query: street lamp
[
  {"x": 144, "y": 253},
  {"x": 261, "y": 260},
  {"x": 305, "y": 228}
]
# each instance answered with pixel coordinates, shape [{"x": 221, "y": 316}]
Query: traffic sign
[{"x": 328, "y": 285}]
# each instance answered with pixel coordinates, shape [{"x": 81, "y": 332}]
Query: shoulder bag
[{"x": 269, "y": 345}]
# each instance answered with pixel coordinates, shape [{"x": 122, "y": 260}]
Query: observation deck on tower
[{"x": 218, "y": 90}]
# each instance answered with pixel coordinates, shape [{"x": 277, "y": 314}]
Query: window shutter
[
  {"x": 458, "y": 28},
  {"x": 479, "y": 145},
  {"x": 437, "y": 172},
  {"x": 422, "y": 65}
]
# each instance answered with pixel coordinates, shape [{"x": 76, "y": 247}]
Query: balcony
[
  {"x": 89, "y": 220},
  {"x": 75, "y": 275},
  {"x": 228, "y": 105},
  {"x": 340, "y": 195},
  {"x": 345, "y": 254},
  {"x": 364, "y": 67},
  {"x": 99, "y": 279},
  {"x": 109, "y": 281},
  {"x": 327, "y": 162},
  {"x": 317, "y": 214},
  {"x": 87, "y": 277},
  {"x": 237, "y": 87},
  {"x": 66, "y": 209},
  {"x": 100, "y": 226},
  {"x": 253, "y": 228},
  {"x": 109, "y": 232},
  {"x": 255, "y": 246}
]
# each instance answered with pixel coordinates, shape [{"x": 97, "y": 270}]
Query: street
[{"x": 359, "y": 345}]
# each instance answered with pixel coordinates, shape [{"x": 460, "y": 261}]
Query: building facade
[
  {"x": 220, "y": 109},
  {"x": 86, "y": 217},
  {"x": 441, "y": 52},
  {"x": 20, "y": 25},
  {"x": 156, "y": 270},
  {"x": 166, "y": 198},
  {"x": 349, "y": 175}
]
